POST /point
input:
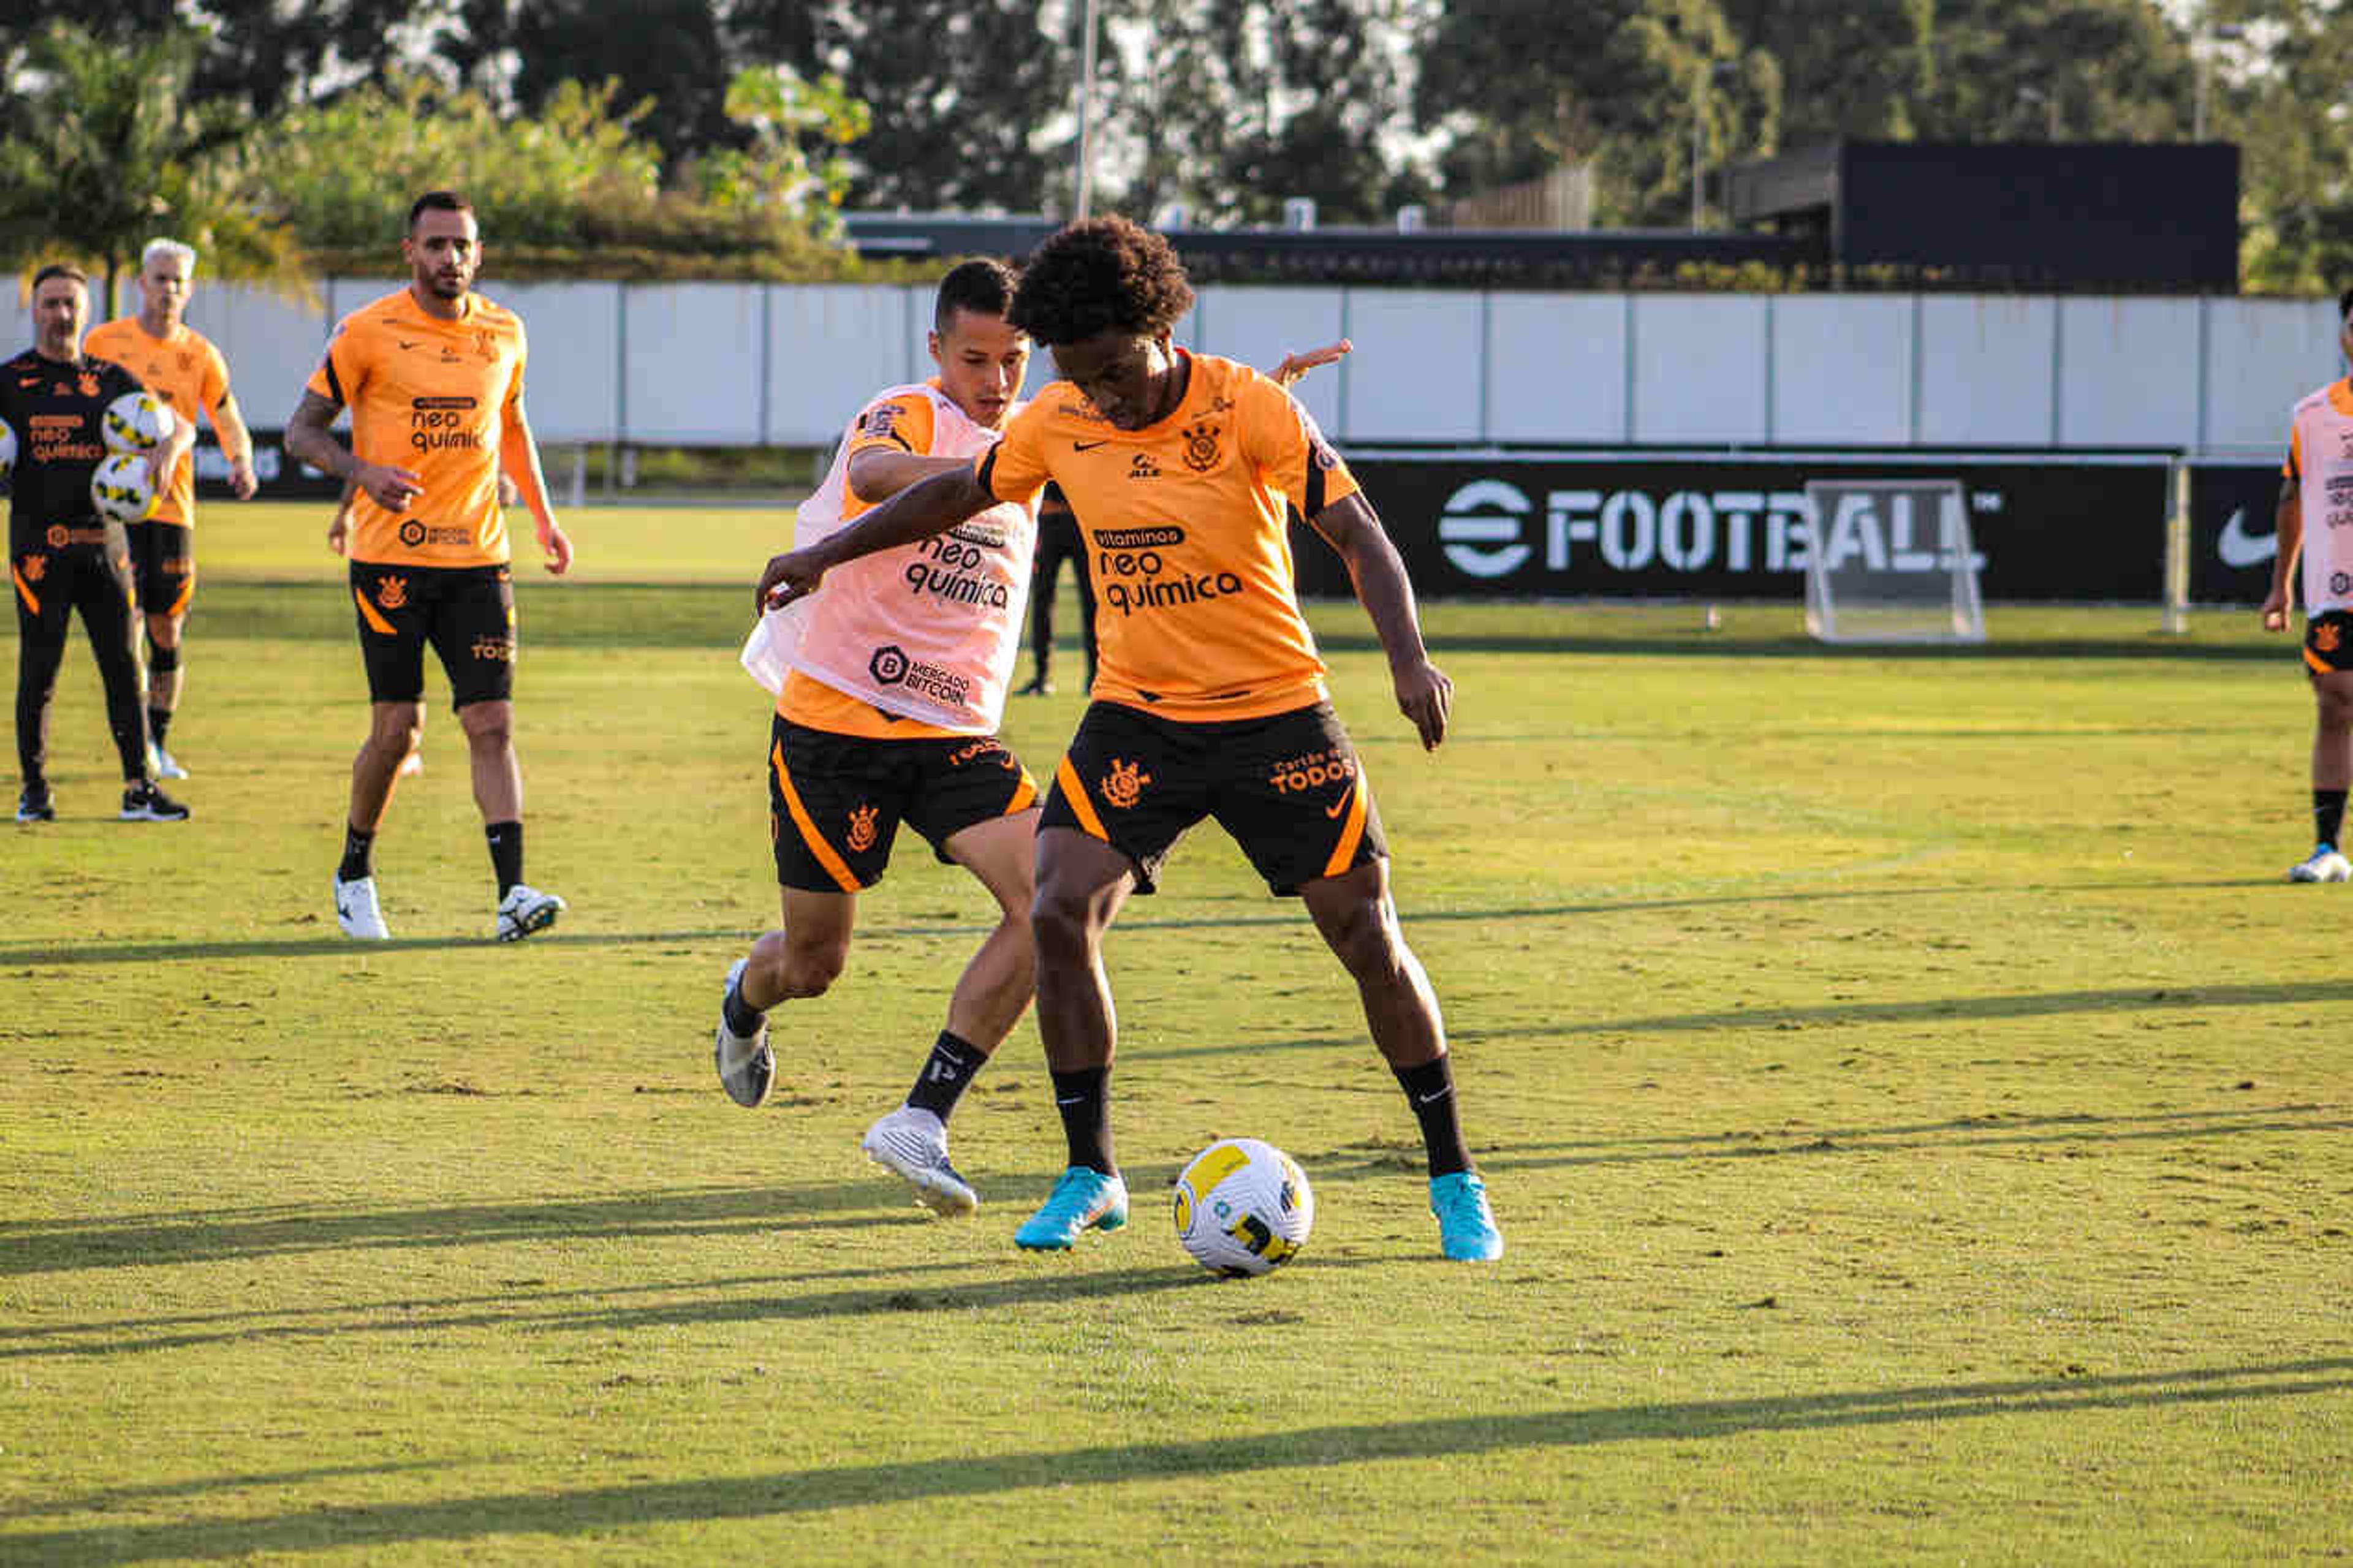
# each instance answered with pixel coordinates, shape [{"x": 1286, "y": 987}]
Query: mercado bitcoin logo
[{"x": 888, "y": 666}]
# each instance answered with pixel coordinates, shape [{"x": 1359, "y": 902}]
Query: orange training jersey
[
  {"x": 186, "y": 371},
  {"x": 1189, "y": 548},
  {"x": 432, "y": 396}
]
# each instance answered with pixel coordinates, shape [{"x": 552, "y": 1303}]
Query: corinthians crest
[{"x": 1201, "y": 448}]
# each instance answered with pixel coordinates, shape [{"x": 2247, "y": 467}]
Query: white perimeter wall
[{"x": 743, "y": 364}]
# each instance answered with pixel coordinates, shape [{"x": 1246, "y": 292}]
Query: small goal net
[{"x": 1891, "y": 561}]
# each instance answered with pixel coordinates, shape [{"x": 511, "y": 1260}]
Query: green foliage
[
  {"x": 796, "y": 164},
  {"x": 107, "y": 147}
]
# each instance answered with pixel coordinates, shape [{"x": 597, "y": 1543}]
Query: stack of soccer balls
[
  {"x": 133, "y": 425},
  {"x": 1243, "y": 1206}
]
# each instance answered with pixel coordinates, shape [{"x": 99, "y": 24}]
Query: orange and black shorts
[
  {"x": 163, "y": 566},
  {"x": 2328, "y": 642},
  {"x": 467, "y": 612},
  {"x": 835, "y": 802},
  {"x": 1288, "y": 788}
]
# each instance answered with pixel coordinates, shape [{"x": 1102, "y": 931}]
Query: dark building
[{"x": 2065, "y": 217}]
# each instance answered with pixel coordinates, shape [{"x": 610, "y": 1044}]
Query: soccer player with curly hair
[{"x": 1209, "y": 698}]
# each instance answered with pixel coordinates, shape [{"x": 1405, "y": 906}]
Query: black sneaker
[
  {"x": 143, "y": 802},
  {"x": 34, "y": 805}
]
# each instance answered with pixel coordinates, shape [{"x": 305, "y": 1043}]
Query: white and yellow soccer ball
[
  {"x": 135, "y": 422},
  {"x": 119, "y": 488},
  {"x": 1243, "y": 1206}
]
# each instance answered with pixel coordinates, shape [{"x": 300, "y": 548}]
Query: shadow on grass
[
  {"x": 607, "y": 1510},
  {"x": 1287, "y": 917}
]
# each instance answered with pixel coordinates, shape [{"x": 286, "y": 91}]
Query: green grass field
[{"x": 1917, "y": 1108}]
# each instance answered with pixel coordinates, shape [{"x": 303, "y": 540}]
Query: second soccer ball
[
  {"x": 135, "y": 422},
  {"x": 119, "y": 488}
]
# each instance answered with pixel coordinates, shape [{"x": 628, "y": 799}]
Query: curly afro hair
[{"x": 1104, "y": 275}]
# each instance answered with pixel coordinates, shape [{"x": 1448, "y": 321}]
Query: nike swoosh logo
[
  {"x": 407, "y": 345},
  {"x": 342, "y": 910},
  {"x": 1089, "y": 446},
  {"x": 1339, "y": 805},
  {"x": 1074, "y": 1099},
  {"x": 1427, "y": 1099},
  {"x": 2237, "y": 547}
]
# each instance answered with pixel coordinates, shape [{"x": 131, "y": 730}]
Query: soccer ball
[
  {"x": 119, "y": 488},
  {"x": 135, "y": 422},
  {"x": 7, "y": 450},
  {"x": 1243, "y": 1206}
]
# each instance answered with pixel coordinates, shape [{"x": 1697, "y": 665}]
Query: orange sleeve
[
  {"x": 901, "y": 424},
  {"x": 1281, "y": 438},
  {"x": 215, "y": 385},
  {"x": 1015, "y": 468},
  {"x": 340, "y": 374}
]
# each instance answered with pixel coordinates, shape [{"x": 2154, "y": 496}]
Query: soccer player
[
  {"x": 2315, "y": 497},
  {"x": 1058, "y": 541},
  {"x": 433, "y": 374},
  {"x": 53, "y": 397},
  {"x": 183, "y": 368},
  {"x": 1209, "y": 698}
]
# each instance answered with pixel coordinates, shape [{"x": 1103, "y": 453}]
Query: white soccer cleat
[
  {"x": 914, "y": 1142},
  {"x": 2326, "y": 866},
  {"x": 167, "y": 767},
  {"x": 525, "y": 909},
  {"x": 747, "y": 1068},
  {"x": 357, "y": 911}
]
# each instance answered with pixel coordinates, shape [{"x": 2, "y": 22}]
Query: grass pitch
[{"x": 1917, "y": 1107}]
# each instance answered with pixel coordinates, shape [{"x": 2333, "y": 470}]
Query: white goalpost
[{"x": 1891, "y": 561}]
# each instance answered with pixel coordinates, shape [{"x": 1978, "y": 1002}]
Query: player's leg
[
  {"x": 165, "y": 569},
  {"x": 801, "y": 958},
  {"x": 473, "y": 635},
  {"x": 103, "y": 594},
  {"x": 2331, "y": 748},
  {"x": 1043, "y": 573},
  {"x": 43, "y": 608},
  {"x": 392, "y": 648}
]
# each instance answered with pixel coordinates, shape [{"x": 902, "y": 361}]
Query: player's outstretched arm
[
  {"x": 1424, "y": 694},
  {"x": 2289, "y": 516},
  {"x": 518, "y": 461},
  {"x": 1294, "y": 366},
  {"x": 228, "y": 423},
  {"x": 309, "y": 438},
  {"x": 934, "y": 506},
  {"x": 877, "y": 474}
]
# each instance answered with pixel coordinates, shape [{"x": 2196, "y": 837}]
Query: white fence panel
[
  {"x": 830, "y": 347},
  {"x": 1555, "y": 368},
  {"x": 1415, "y": 374},
  {"x": 571, "y": 394},
  {"x": 1699, "y": 368},
  {"x": 2128, "y": 373},
  {"x": 1259, "y": 325},
  {"x": 691, "y": 362},
  {"x": 272, "y": 344},
  {"x": 2262, "y": 357},
  {"x": 1842, "y": 370},
  {"x": 1986, "y": 370}
]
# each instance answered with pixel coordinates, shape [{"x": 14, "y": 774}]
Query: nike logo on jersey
[
  {"x": 1339, "y": 805},
  {"x": 1088, "y": 446},
  {"x": 2237, "y": 547}
]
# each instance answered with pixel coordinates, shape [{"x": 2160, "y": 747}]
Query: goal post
[{"x": 1891, "y": 561}]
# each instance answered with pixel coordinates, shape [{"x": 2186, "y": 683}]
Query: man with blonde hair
[{"x": 183, "y": 368}]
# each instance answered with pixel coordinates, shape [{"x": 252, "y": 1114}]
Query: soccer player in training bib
[
  {"x": 434, "y": 376},
  {"x": 1209, "y": 698},
  {"x": 2315, "y": 518},
  {"x": 53, "y": 398},
  {"x": 181, "y": 367}
]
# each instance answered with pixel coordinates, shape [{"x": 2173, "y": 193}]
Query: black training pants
[{"x": 50, "y": 585}]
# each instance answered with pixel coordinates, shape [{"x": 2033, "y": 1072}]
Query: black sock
[
  {"x": 506, "y": 853},
  {"x": 2328, "y": 815},
  {"x": 159, "y": 720},
  {"x": 1430, "y": 1090},
  {"x": 1084, "y": 1100},
  {"x": 742, "y": 1020},
  {"x": 946, "y": 1076},
  {"x": 359, "y": 852}
]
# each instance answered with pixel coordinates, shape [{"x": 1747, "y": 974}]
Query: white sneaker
[
  {"x": 2326, "y": 866},
  {"x": 525, "y": 909},
  {"x": 357, "y": 912},
  {"x": 410, "y": 765},
  {"x": 167, "y": 767},
  {"x": 914, "y": 1143},
  {"x": 747, "y": 1068}
]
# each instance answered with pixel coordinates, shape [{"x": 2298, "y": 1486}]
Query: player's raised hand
[
  {"x": 786, "y": 577},
  {"x": 1426, "y": 696},
  {"x": 1294, "y": 366}
]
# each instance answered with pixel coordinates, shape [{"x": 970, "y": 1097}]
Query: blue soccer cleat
[
  {"x": 1083, "y": 1198},
  {"x": 1466, "y": 1225}
]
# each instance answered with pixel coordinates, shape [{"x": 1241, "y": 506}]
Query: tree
[
  {"x": 109, "y": 147},
  {"x": 2294, "y": 113},
  {"x": 667, "y": 55}
]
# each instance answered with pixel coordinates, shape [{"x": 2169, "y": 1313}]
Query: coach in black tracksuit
[{"x": 53, "y": 398}]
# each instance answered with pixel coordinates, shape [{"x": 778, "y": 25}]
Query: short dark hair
[
  {"x": 983, "y": 286},
  {"x": 438, "y": 202},
  {"x": 1104, "y": 275},
  {"x": 61, "y": 269}
]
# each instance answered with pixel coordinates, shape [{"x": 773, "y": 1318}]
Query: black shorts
[
  {"x": 467, "y": 612},
  {"x": 835, "y": 802},
  {"x": 1287, "y": 788},
  {"x": 163, "y": 566},
  {"x": 2328, "y": 642}
]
